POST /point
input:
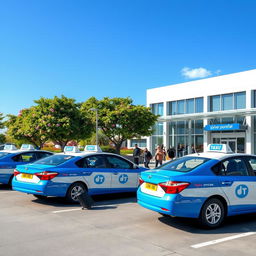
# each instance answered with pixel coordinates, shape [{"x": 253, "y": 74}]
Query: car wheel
[
  {"x": 39, "y": 196},
  {"x": 10, "y": 181},
  {"x": 212, "y": 213},
  {"x": 75, "y": 189}
]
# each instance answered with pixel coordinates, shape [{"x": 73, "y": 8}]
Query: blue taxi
[
  {"x": 208, "y": 186},
  {"x": 11, "y": 157},
  {"x": 66, "y": 174}
]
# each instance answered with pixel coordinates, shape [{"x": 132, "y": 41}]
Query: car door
[
  {"x": 238, "y": 182},
  {"x": 124, "y": 176},
  {"x": 96, "y": 174}
]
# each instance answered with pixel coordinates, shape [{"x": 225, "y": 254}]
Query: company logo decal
[
  {"x": 99, "y": 179},
  {"x": 242, "y": 191},
  {"x": 123, "y": 178}
]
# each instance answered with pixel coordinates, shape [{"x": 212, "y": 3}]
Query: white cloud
[{"x": 193, "y": 73}]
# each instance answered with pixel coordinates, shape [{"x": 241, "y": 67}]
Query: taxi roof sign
[
  {"x": 92, "y": 148},
  {"x": 221, "y": 148},
  {"x": 27, "y": 147},
  {"x": 10, "y": 147},
  {"x": 73, "y": 149}
]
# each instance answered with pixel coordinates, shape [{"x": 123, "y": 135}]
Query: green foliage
[
  {"x": 126, "y": 151},
  {"x": 119, "y": 119},
  {"x": 58, "y": 119},
  {"x": 102, "y": 140},
  {"x": 1, "y": 121},
  {"x": 108, "y": 149},
  {"x": 2, "y": 139}
]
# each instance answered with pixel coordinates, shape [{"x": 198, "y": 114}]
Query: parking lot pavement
[{"x": 116, "y": 225}]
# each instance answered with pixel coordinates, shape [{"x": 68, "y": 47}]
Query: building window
[
  {"x": 157, "y": 109},
  {"x": 140, "y": 142},
  {"x": 158, "y": 135},
  {"x": 188, "y": 106},
  {"x": 228, "y": 101},
  {"x": 215, "y": 103},
  {"x": 178, "y": 136},
  {"x": 199, "y": 105},
  {"x": 240, "y": 100},
  {"x": 180, "y": 107}
]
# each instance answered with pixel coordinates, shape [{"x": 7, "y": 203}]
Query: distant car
[
  {"x": 66, "y": 174},
  {"x": 11, "y": 158},
  {"x": 208, "y": 186}
]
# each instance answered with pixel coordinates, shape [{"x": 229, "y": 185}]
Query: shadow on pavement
[
  {"x": 102, "y": 202},
  {"x": 4, "y": 187},
  {"x": 234, "y": 224}
]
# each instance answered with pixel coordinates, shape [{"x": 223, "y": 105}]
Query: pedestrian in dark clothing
[
  {"x": 171, "y": 153},
  {"x": 147, "y": 156},
  {"x": 136, "y": 154}
]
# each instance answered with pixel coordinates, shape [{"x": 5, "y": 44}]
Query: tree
[
  {"x": 61, "y": 120},
  {"x": 1, "y": 121},
  {"x": 24, "y": 127},
  {"x": 120, "y": 120}
]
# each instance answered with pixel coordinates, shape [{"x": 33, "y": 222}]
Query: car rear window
[
  {"x": 2, "y": 154},
  {"x": 184, "y": 164},
  {"x": 54, "y": 160}
]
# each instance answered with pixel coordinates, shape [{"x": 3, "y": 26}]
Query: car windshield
[
  {"x": 2, "y": 154},
  {"x": 54, "y": 160},
  {"x": 184, "y": 164}
]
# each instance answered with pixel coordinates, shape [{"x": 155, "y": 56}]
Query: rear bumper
[
  {"x": 45, "y": 188},
  {"x": 172, "y": 204}
]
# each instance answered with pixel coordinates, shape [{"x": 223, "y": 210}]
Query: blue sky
[{"x": 118, "y": 48}]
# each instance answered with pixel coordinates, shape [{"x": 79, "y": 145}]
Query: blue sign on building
[{"x": 224, "y": 127}]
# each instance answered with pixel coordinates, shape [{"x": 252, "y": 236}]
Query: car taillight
[
  {"x": 46, "y": 175},
  {"x": 174, "y": 187},
  {"x": 141, "y": 181},
  {"x": 16, "y": 172}
]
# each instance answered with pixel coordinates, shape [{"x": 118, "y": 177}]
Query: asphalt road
[{"x": 116, "y": 225}]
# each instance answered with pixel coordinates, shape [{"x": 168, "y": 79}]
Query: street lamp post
[{"x": 96, "y": 111}]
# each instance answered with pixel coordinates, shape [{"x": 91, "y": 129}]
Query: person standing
[
  {"x": 136, "y": 154},
  {"x": 147, "y": 156},
  {"x": 159, "y": 155},
  {"x": 171, "y": 153}
]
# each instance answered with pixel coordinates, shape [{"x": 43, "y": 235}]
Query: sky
[{"x": 118, "y": 48}]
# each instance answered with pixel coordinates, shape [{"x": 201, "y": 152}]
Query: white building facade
[{"x": 194, "y": 114}]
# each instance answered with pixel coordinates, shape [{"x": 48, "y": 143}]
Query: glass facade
[
  {"x": 178, "y": 136},
  {"x": 141, "y": 143},
  {"x": 158, "y": 135},
  {"x": 227, "y": 101},
  {"x": 188, "y": 106},
  {"x": 157, "y": 108}
]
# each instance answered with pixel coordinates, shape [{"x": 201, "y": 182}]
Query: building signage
[{"x": 224, "y": 127}]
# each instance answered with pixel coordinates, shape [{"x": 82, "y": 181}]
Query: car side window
[
  {"x": 252, "y": 164},
  {"x": 25, "y": 157},
  {"x": 42, "y": 154},
  {"x": 118, "y": 163},
  {"x": 234, "y": 167},
  {"x": 95, "y": 162}
]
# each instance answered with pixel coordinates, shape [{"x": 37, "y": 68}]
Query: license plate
[
  {"x": 27, "y": 176},
  {"x": 151, "y": 186}
]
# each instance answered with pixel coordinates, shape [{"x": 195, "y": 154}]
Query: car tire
[
  {"x": 39, "y": 196},
  {"x": 10, "y": 181},
  {"x": 73, "y": 190},
  {"x": 212, "y": 213}
]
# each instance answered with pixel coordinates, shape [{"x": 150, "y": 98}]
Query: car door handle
[
  {"x": 115, "y": 173},
  {"x": 226, "y": 183}
]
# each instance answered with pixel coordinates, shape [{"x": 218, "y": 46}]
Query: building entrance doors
[{"x": 236, "y": 141}]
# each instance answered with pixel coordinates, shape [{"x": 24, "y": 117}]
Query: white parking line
[
  {"x": 68, "y": 210},
  {"x": 196, "y": 246}
]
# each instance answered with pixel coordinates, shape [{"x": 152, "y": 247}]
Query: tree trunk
[{"x": 118, "y": 148}]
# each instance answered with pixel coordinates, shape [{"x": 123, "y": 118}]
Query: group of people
[{"x": 159, "y": 157}]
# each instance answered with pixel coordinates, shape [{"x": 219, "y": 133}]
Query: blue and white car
[
  {"x": 66, "y": 174},
  {"x": 208, "y": 186},
  {"x": 11, "y": 157}
]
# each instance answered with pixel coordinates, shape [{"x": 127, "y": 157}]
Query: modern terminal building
[{"x": 194, "y": 114}]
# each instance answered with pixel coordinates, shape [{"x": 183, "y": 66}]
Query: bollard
[{"x": 85, "y": 200}]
